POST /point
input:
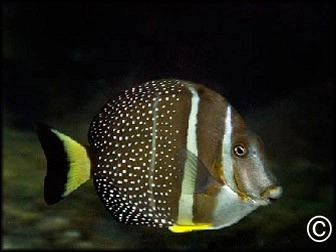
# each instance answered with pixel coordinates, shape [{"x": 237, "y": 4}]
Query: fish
[{"x": 166, "y": 153}]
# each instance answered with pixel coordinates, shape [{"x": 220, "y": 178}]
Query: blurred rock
[{"x": 52, "y": 224}]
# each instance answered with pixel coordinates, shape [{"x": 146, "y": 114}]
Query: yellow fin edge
[
  {"x": 189, "y": 228},
  {"x": 80, "y": 164}
]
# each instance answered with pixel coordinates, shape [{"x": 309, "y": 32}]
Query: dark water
[{"x": 272, "y": 61}]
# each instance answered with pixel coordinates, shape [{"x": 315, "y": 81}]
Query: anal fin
[{"x": 189, "y": 228}]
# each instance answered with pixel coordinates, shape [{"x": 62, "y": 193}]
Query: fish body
[{"x": 168, "y": 154}]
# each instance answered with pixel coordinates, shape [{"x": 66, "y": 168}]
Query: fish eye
[{"x": 240, "y": 150}]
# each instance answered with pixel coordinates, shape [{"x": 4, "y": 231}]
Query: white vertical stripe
[
  {"x": 192, "y": 123},
  {"x": 186, "y": 202},
  {"x": 153, "y": 148},
  {"x": 227, "y": 145}
]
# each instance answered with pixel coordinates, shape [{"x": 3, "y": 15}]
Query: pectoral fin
[{"x": 197, "y": 177}]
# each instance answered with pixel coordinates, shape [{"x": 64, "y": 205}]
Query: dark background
[
  {"x": 273, "y": 61},
  {"x": 250, "y": 52}
]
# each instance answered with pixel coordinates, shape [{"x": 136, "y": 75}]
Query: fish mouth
[
  {"x": 272, "y": 194},
  {"x": 268, "y": 196}
]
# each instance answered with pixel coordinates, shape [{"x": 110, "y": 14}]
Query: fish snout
[{"x": 271, "y": 194}]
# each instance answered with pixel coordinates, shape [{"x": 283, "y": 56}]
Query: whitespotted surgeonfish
[{"x": 167, "y": 154}]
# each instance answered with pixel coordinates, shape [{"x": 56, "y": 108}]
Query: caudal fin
[{"x": 68, "y": 163}]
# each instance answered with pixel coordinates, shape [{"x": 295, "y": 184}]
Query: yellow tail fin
[{"x": 68, "y": 163}]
